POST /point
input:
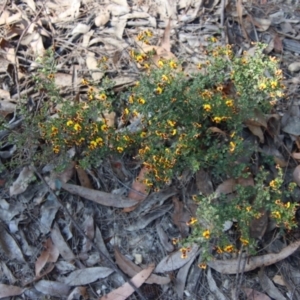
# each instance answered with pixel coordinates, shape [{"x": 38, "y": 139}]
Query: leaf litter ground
[{"x": 83, "y": 243}]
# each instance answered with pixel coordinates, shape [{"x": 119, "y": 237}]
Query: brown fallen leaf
[
  {"x": 138, "y": 190},
  {"x": 257, "y": 131},
  {"x": 226, "y": 187},
  {"x": 83, "y": 178},
  {"x": 49, "y": 255},
  {"x": 258, "y": 226},
  {"x": 61, "y": 244},
  {"x": 255, "y": 295},
  {"x": 131, "y": 269},
  {"x": 10, "y": 290},
  {"x": 126, "y": 289},
  {"x": 180, "y": 217},
  {"x": 296, "y": 175},
  {"x": 99, "y": 197},
  {"x": 231, "y": 266}
]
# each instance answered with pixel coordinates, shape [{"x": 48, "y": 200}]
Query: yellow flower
[
  {"x": 202, "y": 266},
  {"x": 173, "y": 64},
  {"x": 140, "y": 36},
  {"x": 143, "y": 134},
  {"x": 148, "y": 32},
  {"x": 207, "y": 107},
  {"x": 137, "y": 83},
  {"x": 219, "y": 250},
  {"x": 160, "y": 63},
  {"x": 229, "y": 103},
  {"x": 175, "y": 241},
  {"x": 130, "y": 99},
  {"x": 102, "y": 97},
  {"x": 183, "y": 252},
  {"x": 104, "y": 127},
  {"x": 244, "y": 241},
  {"x": 276, "y": 214},
  {"x": 54, "y": 130},
  {"x": 174, "y": 131},
  {"x": 93, "y": 145},
  {"x": 99, "y": 141},
  {"x": 70, "y": 123},
  {"x": 262, "y": 86},
  {"x": 248, "y": 208},
  {"x": 158, "y": 90},
  {"x": 274, "y": 84},
  {"x": 278, "y": 202},
  {"x": 213, "y": 39},
  {"x": 287, "y": 205},
  {"x": 56, "y": 149},
  {"x": 192, "y": 221},
  {"x": 206, "y": 94},
  {"x": 51, "y": 76},
  {"x": 229, "y": 248},
  {"x": 244, "y": 61},
  {"x": 91, "y": 97},
  {"x": 139, "y": 58},
  {"x": 171, "y": 123},
  {"x": 273, "y": 58},
  {"x": 206, "y": 234},
  {"x": 77, "y": 127},
  {"x": 199, "y": 66},
  {"x": 279, "y": 94},
  {"x": 220, "y": 88},
  {"x": 146, "y": 66},
  {"x": 217, "y": 119},
  {"x": 120, "y": 149},
  {"x": 278, "y": 72},
  {"x": 164, "y": 78},
  {"x": 141, "y": 101},
  {"x": 232, "y": 147},
  {"x": 273, "y": 184}
]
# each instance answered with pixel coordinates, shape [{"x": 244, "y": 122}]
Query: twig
[
  {"x": 76, "y": 225},
  {"x": 222, "y": 19}
]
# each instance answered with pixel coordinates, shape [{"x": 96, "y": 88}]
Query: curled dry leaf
[
  {"x": 99, "y": 197},
  {"x": 131, "y": 269},
  {"x": 226, "y": 187},
  {"x": 83, "y": 178},
  {"x": 231, "y": 266},
  {"x": 126, "y": 289}
]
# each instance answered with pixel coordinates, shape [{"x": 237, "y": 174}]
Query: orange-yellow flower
[
  {"x": 141, "y": 101},
  {"x": 276, "y": 214},
  {"x": 192, "y": 221},
  {"x": 262, "y": 86},
  {"x": 56, "y": 149},
  {"x": 70, "y": 123},
  {"x": 207, "y": 107},
  {"x": 173, "y": 64},
  {"x": 77, "y": 127},
  {"x": 93, "y": 145},
  {"x": 104, "y": 127},
  {"x": 202, "y": 266},
  {"x": 102, "y": 97},
  {"x": 229, "y": 103},
  {"x": 217, "y": 119},
  {"x": 158, "y": 90},
  {"x": 171, "y": 123},
  {"x": 244, "y": 241},
  {"x": 229, "y": 248},
  {"x": 120, "y": 149},
  {"x": 206, "y": 234}
]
